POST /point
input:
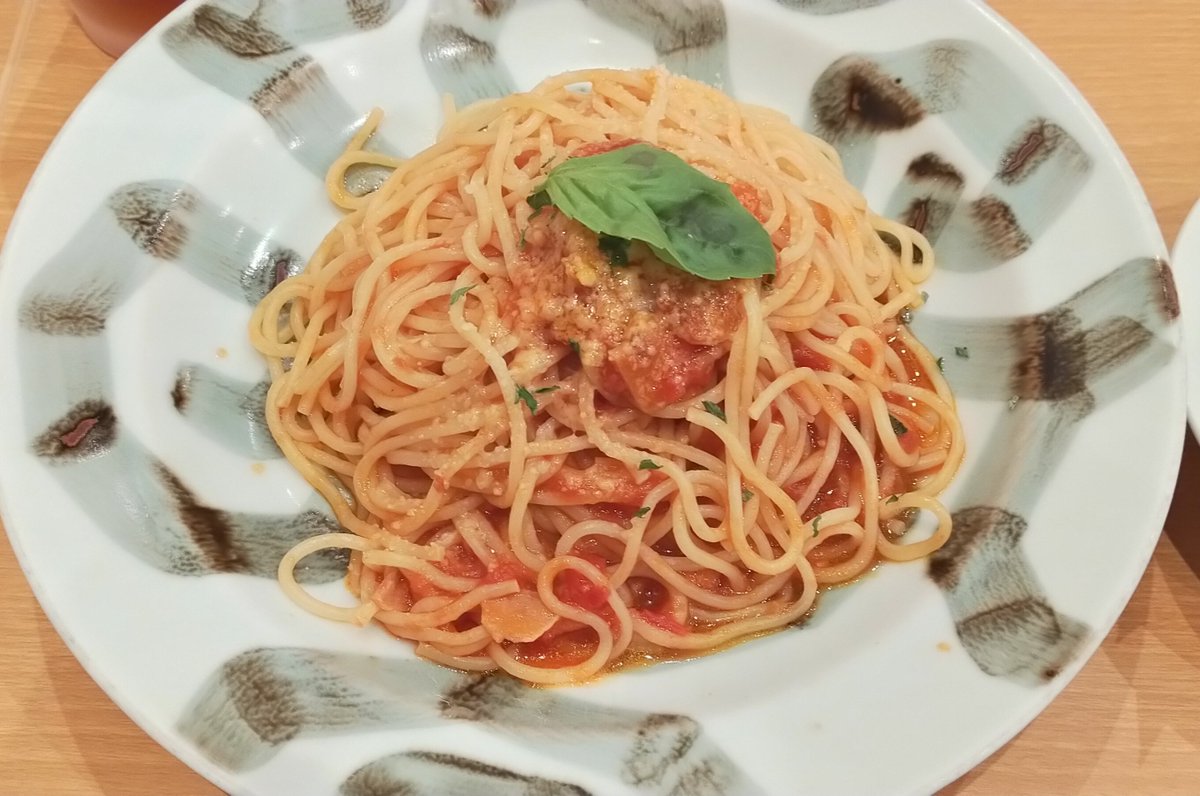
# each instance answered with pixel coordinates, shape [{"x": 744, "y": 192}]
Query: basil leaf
[
  {"x": 641, "y": 192},
  {"x": 714, "y": 409},
  {"x": 642, "y": 512},
  {"x": 459, "y": 293},
  {"x": 649, "y": 464},
  {"x": 615, "y": 249}
]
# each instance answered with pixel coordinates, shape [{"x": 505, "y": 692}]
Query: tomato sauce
[{"x": 647, "y": 334}]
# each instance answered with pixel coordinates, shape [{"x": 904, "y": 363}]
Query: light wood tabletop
[{"x": 1130, "y": 723}]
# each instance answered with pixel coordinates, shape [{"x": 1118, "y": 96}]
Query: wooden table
[{"x": 1130, "y": 723}]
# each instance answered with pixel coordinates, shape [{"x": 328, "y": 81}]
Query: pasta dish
[{"x": 616, "y": 370}]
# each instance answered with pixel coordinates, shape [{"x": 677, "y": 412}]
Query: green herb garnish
[
  {"x": 641, "y": 192},
  {"x": 941, "y": 363},
  {"x": 615, "y": 249},
  {"x": 459, "y": 293},
  {"x": 524, "y": 395},
  {"x": 816, "y": 524},
  {"x": 714, "y": 410},
  {"x": 544, "y": 390},
  {"x": 642, "y": 512},
  {"x": 962, "y": 351},
  {"x": 647, "y": 464},
  {"x": 897, "y": 427},
  {"x": 574, "y": 346},
  {"x": 746, "y": 495}
]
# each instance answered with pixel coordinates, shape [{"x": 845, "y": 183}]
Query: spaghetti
[{"x": 551, "y": 462}]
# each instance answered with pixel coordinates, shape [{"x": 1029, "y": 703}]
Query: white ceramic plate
[
  {"x": 149, "y": 509},
  {"x": 1185, "y": 258}
]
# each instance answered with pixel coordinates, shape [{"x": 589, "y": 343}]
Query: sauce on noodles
[{"x": 556, "y": 456}]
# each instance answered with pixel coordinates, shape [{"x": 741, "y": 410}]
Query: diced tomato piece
[
  {"x": 667, "y": 372},
  {"x": 461, "y": 562},
  {"x": 575, "y": 588},
  {"x": 749, "y": 197},
  {"x": 510, "y": 569},
  {"x": 612, "y": 384},
  {"x": 420, "y": 587},
  {"x": 833, "y": 551},
  {"x": 667, "y": 546},
  {"x": 805, "y": 357},
  {"x": 648, "y": 594},
  {"x": 861, "y": 351}
]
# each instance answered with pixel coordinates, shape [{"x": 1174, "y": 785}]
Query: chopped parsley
[
  {"x": 544, "y": 390},
  {"x": 642, "y": 512},
  {"x": 714, "y": 409},
  {"x": 941, "y": 363},
  {"x": 897, "y": 427},
  {"x": 615, "y": 249},
  {"x": 962, "y": 351},
  {"x": 648, "y": 464},
  {"x": 746, "y": 495},
  {"x": 459, "y": 293},
  {"x": 574, "y": 346},
  {"x": 526, "y": 397},
  {"x": 816, "y": 524}
]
